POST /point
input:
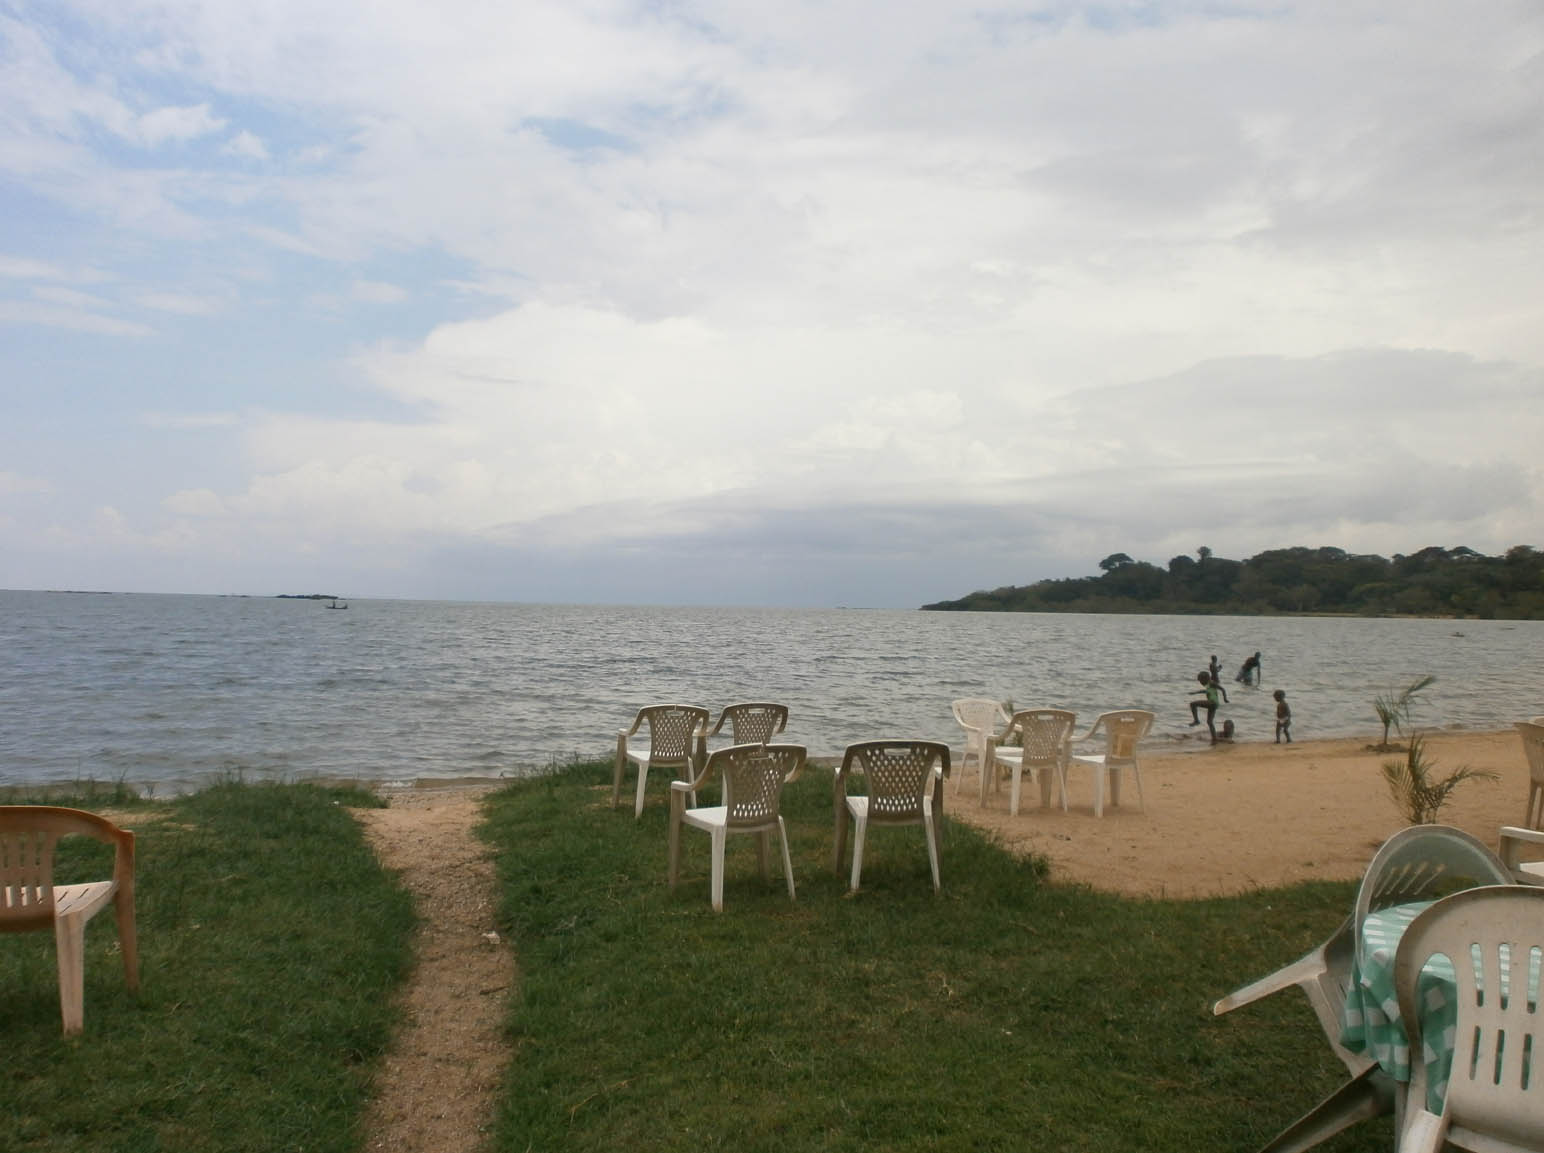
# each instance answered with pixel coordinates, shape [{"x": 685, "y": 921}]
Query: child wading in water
[
  {"x": 1283, "y": 717},
  {"x": 1211, "y": 690}
]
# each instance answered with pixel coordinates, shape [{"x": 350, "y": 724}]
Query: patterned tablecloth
[{"x": 1371, "y": 1021}]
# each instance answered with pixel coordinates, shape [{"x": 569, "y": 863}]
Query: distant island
[
  {"x": 1440, "y": 582},
  {"x": 308, "y": 597}
]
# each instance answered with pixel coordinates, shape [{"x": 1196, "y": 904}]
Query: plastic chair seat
[
  {"x": 1042, "y": 754},
  {"x": 905, "y": 787},
  {"x": 677, "y": 740},
  {"x": 30, "y": 901},
  {"x": 753, "y": 777},
  {"x": 1123, "y": 729}
]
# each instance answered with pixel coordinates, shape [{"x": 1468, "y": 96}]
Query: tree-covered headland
[{"x": 1456, "y": 582}]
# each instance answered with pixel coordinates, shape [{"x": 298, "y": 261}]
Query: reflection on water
[{"x": 172, "y": 688}]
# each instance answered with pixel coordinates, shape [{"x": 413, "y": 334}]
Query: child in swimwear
[
  {"x": 1211, "y": 690},
  {"x": 1283, "y": 716}
]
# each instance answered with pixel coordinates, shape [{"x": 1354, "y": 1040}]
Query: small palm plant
[
  {"x": 1393, "y": 708},
  {"x": 1419, "y": 796}
]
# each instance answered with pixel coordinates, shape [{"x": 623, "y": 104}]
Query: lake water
[{"x": 171, "y": 690}]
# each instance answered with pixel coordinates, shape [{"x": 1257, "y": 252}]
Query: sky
[{"x": 752, "y": 302}]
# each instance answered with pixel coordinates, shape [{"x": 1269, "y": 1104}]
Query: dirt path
[{"x": 438, "y": 1085}]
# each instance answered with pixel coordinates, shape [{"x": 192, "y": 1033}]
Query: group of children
[{"x": 1211, "y": 688}]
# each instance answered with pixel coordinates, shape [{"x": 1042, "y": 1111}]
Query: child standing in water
[
  {"x": 1211, "y": 690},
  {"x": 1283, "y": 716}
]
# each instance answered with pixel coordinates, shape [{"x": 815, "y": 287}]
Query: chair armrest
[
  {"x": 1530, "y": 836},
  {"x": 1510, "y": 843}
]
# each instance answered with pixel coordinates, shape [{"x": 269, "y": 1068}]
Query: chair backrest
[
  {"x": 1494, "y": 937},
  {"x": 754, "y": 776},
  {"x": 28, "y": 837},
  {"x": 899, "y": 774},
  {"x": 1532, "y": 733},
  {"x": 671, "y": 729},
  {"x": 1043, "y": 733},
  {"x": 979, "y": 717},
  {"x": 753, "y": 722},
  {"x": 1123, "y": 728},
  {"x": 1424, "y": 862}
]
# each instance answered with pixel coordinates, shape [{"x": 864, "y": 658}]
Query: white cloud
[
  {"x": 15, "y": 484},
  {"x": 189, "y": 420},
  {"x": 176, "y": 124},
  {"x": 247, "y": 145},
  {"x": 182, "y": 303},
  {"x": 1077, "y": 280},
  {"x": 22, "y": 312},
  {"x": 377, "y": 292}
]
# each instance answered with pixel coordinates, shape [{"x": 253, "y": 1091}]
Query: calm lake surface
[{"x": 172, "y": 690}]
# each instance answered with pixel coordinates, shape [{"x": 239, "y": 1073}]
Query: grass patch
[
  {"x": 270, "y": 944},
  {"x": 1006, "y": 1013}
]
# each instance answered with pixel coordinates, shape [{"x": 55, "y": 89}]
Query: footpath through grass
[
  {"x": 1007, "y": 1013},
  {"x": 270, "y": 944}
]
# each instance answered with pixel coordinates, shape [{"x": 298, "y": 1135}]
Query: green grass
[
  {"x": 270, "y": 944},
  {"x": 1007, "y": 1013}
]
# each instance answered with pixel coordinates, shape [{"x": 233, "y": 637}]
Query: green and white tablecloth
[{"x": 1371, "y": 1021}]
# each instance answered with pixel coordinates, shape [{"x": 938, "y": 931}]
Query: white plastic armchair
[
  {"x": 981, "y": 719},
  {"x": 1494, "y": 1099},
  {"x": 677, "y": 740},
  {"x": 753, "y": 776},
  {"x": 905, "y": 781},
  {"x": 752, "y": 723},
  {"x": 29, "y": 899},
  {"x": 1415, "y": 864},
  {"x": 1527, "y": 839},
  {"x": 1122, "y": 729},
  {"x": 1041, "y": 752}
]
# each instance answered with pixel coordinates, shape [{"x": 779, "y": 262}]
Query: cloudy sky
[{"x": 756, "y": 302}]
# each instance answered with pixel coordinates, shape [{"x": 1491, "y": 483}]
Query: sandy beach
[{"x": 1246, "y": 816}]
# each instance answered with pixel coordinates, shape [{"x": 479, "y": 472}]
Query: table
[{"x": 1370, "y": 1022}]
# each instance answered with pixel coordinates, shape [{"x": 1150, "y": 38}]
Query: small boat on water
[{"x": 336, "y": 605}]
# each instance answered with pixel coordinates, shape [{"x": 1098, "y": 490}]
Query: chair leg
[
  {"x": 673, "y": 866},
  {"x": 128, "y": 942},
  {"x": 1114, "y": 787},
  {"x": 932, "y": 844},
  {"x": 643, "y": 780},
  {"x": 1136, "y": 775},
  {"x": 1098, "y": 790},
  {"x": 1013, "y": 799},
  {"x": 69, "y": 941},
  {"x": 616, "y": 773},
  {"x": 860, "y": 829},
  {"x": 840, "y": 849},
  {"x": 782, "y": 833},
  {"x": 1370, "y": 1095},
  {"x": 718, "y": 870}
]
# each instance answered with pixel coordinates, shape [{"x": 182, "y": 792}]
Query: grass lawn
[
  {"x": 270, "y": 944},
  {"x": 1009, "y": 1012}
]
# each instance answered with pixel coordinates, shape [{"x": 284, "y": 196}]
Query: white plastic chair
[
  {"x": 753, "y": 776},
  {"x": 1042, "y": 753},
  {"x": 752, "y": 723},
  {"x": 1495, "y": 1093},
  {"x": 1123, "y": 729},
  {"x": 1414, "y": 864},
  {"x": 1515, "y": 839},
  {"x": 905, "y": 782},
  {"x": 677, "y": 740},
  {"x": 29, "y": 899},
  {"x": 980, "y": 718}
]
